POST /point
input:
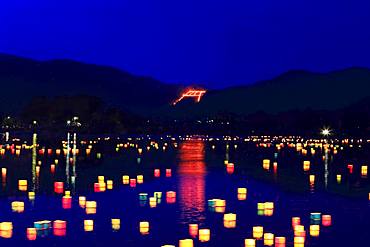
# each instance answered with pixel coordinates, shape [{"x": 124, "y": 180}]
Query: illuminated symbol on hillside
[{"x": 191, "y": 93}]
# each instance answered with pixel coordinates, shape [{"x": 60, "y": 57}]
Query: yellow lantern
[
  {"x": 125, "y": 179},
  {"x": 314, "y": 230},
  {"x": 116, "y": 224},
  {"x": 88, "y": 225},
  {"x": 186, "y": 243},
  {"x": 249, "y": 242},
  {"x": 268, "y": 239},
  {"x": 230, "y": 220},
  {"x": 144, "y": 227},
  {"x": 298, "y": 241},
  {"x": 204, "y": 235},
  {"x": 257, "y": 232}
]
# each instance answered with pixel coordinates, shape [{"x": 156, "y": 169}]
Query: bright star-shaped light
[{"x": 326, "y": 132}]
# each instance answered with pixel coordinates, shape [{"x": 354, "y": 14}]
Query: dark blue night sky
[{"x": 214, "y": 42}]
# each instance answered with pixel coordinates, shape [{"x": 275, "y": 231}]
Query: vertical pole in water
[
  {"x": 73, "y": 178},
  {"x": 67, "y": 160}
]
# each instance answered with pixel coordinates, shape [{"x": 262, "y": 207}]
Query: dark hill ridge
[
  {"x": 294, "y": 90},
  {"x": 22, "y": 79}
]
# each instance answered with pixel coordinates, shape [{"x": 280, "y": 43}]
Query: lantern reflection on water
[
  {"x": 144, "y": 227},
  {"x": 191, "y": 183}
]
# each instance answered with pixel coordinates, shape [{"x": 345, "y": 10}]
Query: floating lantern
[
  {"x": 326, "y": 220},
  {"x": 204, "y": 235},
  {"x": 314, "y": 230},
  {"x": 82, "y": 201},
  {"x": 275, "y": 166},
  {"x": 109, "y": 184},
  {"x": 193, "y": 230},
  {"x": 22, "y": 185},
  {"x": 230, "y": 168},
  {"x": 157, "y": 173},
  {"x": 339, "y": 178},
  {"x": 144, "y": 227},
  {"x": 280, "y": 241},
  {"x": 152, "y": 202},
  {"x": 249, "y": 242},
  {"x": 364, "y": 171},
  {"x": 88, "y": 225},
  {"x": 3, "y": 172},
  {"x": 132, "y": 182},
  {"x": 220, "y": 206},
  {"x": 90, "y": 207},
  {"x": 315, "y": 217},
  {"x": 296, "y": 221},
  {"x": 143, "y": 196},
  {"x": 266, "y": 164},
  {"x": 299, "y": 231},
  {"x": 268, "y": 239},
  {"x": 158, "y": 195},
  {"x": 350, "y": 168},
  {"x": 306, "y": 165},
  {"x": 312, "y": 179},
  {"x": 242, "y": 194},
  {"x": 230, "y": 220},
  {"x": 116, "y": 224},
  {"x": 31, "y": 195},
  {"x": 101, "y": 179},
  {"x": 260, "y": 206},
  {"x": 59, "y": 228},
  {"x": 67, "y": 202},
  {"x": 168, "y": 173},
  {"x": 42, "y": 225},
  {"x": 6, "y": 229},
  {"x": 299, "y": 241},
  {"x": 140, "y": 179},
  {"x": 125, "y": 179},
  {"x": 18, "y": 207},
  {"x": 186, "y": 243},
  {"x": 31, "y": 233},
  {"x": 58, "y": 187},
  {"x": 257, "y": 232},
  {"x": 170, "y": 197}
]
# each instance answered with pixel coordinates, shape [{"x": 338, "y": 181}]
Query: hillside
[
  {"x": 23, "y": 79},
  {"x": 294, "y": 90}
]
